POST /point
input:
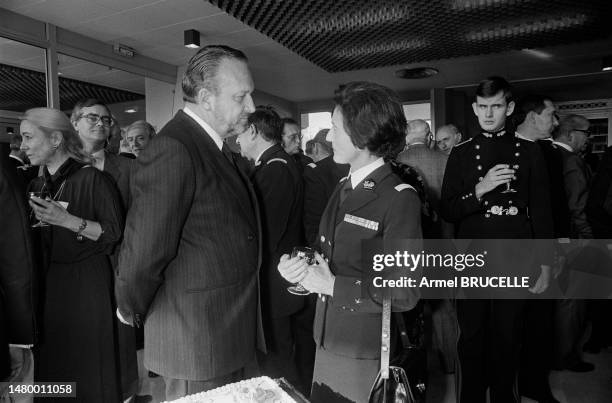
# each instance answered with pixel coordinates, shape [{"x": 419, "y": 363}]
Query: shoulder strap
[{"x": 385, "y": 338}]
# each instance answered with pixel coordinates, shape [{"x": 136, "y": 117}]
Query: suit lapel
[{"x": 232, "y": 178}]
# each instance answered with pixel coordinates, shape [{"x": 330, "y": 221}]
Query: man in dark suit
[
  {"x": 17, "y": 285},
  {"x": 20, "y": 161},
  {"x": 430, "y": 164},
  {"x": 571, "y": 138},
  {"x": 320, "y": 179},
  {"x": 476, "y": 200},
  {"x": 535, "y": 119},
  {"x": 189, "y": 264},
  {"x": 292, "y": 141},
  {"x": 280, "y": 193}
]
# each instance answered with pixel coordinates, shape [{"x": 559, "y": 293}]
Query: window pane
[{"x": 22, "y": 83}]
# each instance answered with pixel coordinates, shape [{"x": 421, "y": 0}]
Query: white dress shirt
[
  {"x": 209, "y": 130},
  {"x": 362, "y": 172}
]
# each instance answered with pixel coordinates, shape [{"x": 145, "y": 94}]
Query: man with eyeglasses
[
  {"x": 93, "y": 121},
  {"x": 572, "y": 138}
]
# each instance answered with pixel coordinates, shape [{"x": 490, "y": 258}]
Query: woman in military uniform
[{"x": 372, "y": 203}]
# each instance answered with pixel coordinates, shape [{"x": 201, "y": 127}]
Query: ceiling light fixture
[
  {"x": 606, "y": 64},
  {"x": 192, "y": 39},
  {"x": 537, "y": 53},
  {"x": 131, "y": 110}
]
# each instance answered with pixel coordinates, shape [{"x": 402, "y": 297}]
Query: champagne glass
[
  {"x": 509, "y": 183},
  {"x": 41, "y": 195},
  {"x": 303, "y": 252}
]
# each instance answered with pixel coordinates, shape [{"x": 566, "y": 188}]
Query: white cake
[{"x": 259, "y": 390}]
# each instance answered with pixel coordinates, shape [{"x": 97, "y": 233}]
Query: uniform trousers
[
  {"x": 291, "y": 347},
  {"x": 488, "y": 349}
]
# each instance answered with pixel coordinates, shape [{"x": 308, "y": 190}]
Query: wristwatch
[{"x": 82, "y": 227}]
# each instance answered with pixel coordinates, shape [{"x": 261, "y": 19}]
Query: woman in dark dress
[
  {"x": 83, "y": 211},
  {"x": 373, "y": 203}
]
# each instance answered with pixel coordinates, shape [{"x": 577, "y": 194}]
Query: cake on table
[{"x": 260, "y": 390}]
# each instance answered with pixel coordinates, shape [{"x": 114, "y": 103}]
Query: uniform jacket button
[{"x": 251, "y": 237}]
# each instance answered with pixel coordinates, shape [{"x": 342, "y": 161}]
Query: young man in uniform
[{"x": 495, "y": 187}]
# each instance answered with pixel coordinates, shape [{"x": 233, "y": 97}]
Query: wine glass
[
  {"x": 41, "y": 195},
  {"x": 303, "y": 252},
  {"x": 508, "y": 184}
]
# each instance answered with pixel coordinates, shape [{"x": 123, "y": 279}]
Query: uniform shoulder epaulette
[
  {"x": 403, "y": 186},
  {"x": 312, "y": 165},
  {"x": 276, "y": 159},
  {"x": 464, "y": 142}
]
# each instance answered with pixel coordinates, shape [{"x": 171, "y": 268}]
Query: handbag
[{"x": 403, "y": 380}]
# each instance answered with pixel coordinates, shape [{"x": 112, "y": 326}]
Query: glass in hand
[
  {"x": 40, "y": 195},
  {"x": 509, "y": 183},
  {"x": 303, "y": 252}
]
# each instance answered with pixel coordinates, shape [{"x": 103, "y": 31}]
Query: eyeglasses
[
  {"x": 93, "y": 119},
  {"x": 586, "y": 132}
]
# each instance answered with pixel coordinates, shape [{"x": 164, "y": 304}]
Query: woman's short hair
[
  {"x": 143, "y": 126},
  {"x": 49, "y": 121},
  {"x": 86, "y": 103},
  {"x": 267, "y": 123},
  {"x": 373, "y": 117}
]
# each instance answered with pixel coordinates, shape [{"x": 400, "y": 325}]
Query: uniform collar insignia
[
  {"x": 498, "y": 133},
  {"x": 369, "y": 184}
]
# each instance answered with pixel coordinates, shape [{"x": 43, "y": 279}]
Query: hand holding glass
[
  {"x": 307, "y": 253},
  {"x": 40, "y": 195},
  {"x": 508, "y": 184}
]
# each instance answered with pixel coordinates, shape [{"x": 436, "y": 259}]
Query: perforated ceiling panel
[
  {"x": 22, "y": 89},
  {"x": 348, "y": 35}
]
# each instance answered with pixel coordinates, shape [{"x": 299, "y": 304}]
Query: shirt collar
[
  {"x": 566, "y": 146},
  {"x": 363, "y": 172},
  {"x": 258, "y": 159},
  {"x": 209, "y": 130},
  {"x": 520, "y": 136},
  {"x": 99, "y": 158}
]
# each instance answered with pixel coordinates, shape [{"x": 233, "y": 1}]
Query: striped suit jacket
[{"x": 189, "y": 262}]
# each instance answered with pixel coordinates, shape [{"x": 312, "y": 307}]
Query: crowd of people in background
[{"x": 121, "y": 238}]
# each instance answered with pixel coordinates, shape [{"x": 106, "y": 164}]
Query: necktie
[
  {"x": 346, "y": 189},
  {"x": 228, "y": 154}
]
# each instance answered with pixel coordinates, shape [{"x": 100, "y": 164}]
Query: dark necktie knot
[{"x": 227, "y": 152}]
